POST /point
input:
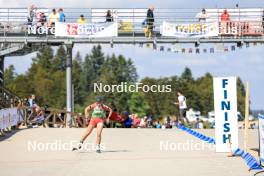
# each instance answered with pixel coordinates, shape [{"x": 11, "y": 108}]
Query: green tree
[
  {"x": 204, "y": 92},
  {"x": 241, "y": 94},
  {"x": 187, "y": 74},
  {"x": 115, "y": 71},
  {"x": 138, "y": 104},
  {"x": 59, "y": 61},
  {"x": 9, "y": 76},
  {"x": 76, "y": 80},
  {"x": 92, "y": 68}
]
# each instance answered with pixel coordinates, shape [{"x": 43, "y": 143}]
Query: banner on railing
[
  {"x": 89, "y": 30},
  {"x": 261, "y": 137},
  {"x": 225, "y": 105},
  {"x": 241, "y": 28},
  {"x": 189, "y": 30},
  {"x": 9, "y": 117}
]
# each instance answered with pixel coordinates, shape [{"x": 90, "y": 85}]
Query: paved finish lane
[{"x": 132, "y": 152}]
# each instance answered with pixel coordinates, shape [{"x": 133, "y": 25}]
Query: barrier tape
[{"x": 252, "y": 163}]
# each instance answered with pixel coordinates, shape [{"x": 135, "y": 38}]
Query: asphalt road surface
[{"x": 141, "y": 152}]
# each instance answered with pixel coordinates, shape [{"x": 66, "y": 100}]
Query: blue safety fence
[
  {"x": 252, "y": 163},
  {"x": 210, "y": 140}
]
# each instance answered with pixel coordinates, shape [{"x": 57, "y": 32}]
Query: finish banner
[
  {"x": 89, "y": 30},
  {"x": 195, "y": 30},
  {"x": 225, "y": 107},
  {"x": 9, "y": 117},
  {"x": 261, "y": 137}
]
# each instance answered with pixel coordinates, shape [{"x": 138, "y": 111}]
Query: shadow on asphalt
[{"x": 8, "y": 134}]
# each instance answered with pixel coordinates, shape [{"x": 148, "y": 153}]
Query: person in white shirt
[
  {"x": 202, "y": 16},
  {"x": 182, "y": 107}
]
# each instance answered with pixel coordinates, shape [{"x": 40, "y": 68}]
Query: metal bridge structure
[{"x": 19, "y": 37}]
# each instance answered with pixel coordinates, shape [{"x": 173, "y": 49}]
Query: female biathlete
[{"x": 97, "y": 121}]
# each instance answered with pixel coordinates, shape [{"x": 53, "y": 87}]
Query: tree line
[{"x": 46, "y": 79}]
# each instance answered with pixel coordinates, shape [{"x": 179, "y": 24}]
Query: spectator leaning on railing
[
  {"x": 263, "y": 20},
  {"x": 34, "y": 107},
  {"x": 150, "y": 22},
  {"x": 41, "y": 19},
  {"x": 202, "y": 16},
  {"x": 31, "y": 14},
  {"x": 109, "y": 16},
  {"x": 81, "y": 20},
  {"x": 61, "y": 15},
  {"x": 53, "y": 18},
  {"x": 225, "y": 17}
]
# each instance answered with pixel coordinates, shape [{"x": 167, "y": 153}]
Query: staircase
[{"x": 8, "y": 99}]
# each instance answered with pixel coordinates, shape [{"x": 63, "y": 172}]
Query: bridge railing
[
  {"x": 52, "y": 117},
  {"x": 243, "y": 21}
]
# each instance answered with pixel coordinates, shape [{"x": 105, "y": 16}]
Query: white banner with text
[
  {"x": 225, "y": 105},
  {"x": 195, "y": 30},
  {"x": 87, "y": 30}
]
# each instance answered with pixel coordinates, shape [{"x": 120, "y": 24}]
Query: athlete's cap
[{"x": 99, "y": 98}]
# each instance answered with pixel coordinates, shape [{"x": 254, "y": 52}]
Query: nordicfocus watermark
[
  {"x": 188, "y": 145},
  {"x": 125, "y": 87},
  {"x": 58, "y": 145}
]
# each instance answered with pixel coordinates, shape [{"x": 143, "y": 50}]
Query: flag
[
  {"x": 154, "y": 46},
  {"x": 176, "y": 47},
  {"x": 149, "y": 45},
  {"x": 247, "y": 45},
  {"x": 219, "y": 47}
]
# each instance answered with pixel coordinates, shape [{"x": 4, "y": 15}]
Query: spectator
[
  {"x": 31, "y": 14},
  {"x": 182, "y": 107},
  {"x": 196, "y": 123},
  {"x": 53, "y": 18},
  {"x": 62, "y": 15},
  {"x": 41, "y": 19},
  {"x": 31, "y": 101},
  {"x": 34, "y": 107},
  {"x": 200, "y": 125},
  {"x": 168, "y": 122},
  {"x": 202, "y": 16},
  {"x": 128, "y": 122},
  {"x": 115, "y": 116},
  {"x": 109, "y": 17},
  {"x": 149, "y": 121},
  {"x": 263, "y": 20},
  {"x": 142, "y": 123},
  {"x": 225, "y": 17},
  {"x": 115, "y": 16},
  {"x": 81, "y": 20},
  {"x": 136, "y": 120},
  {"x": 150, "y": 22},
  {"x": 158, "y": 125}
]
